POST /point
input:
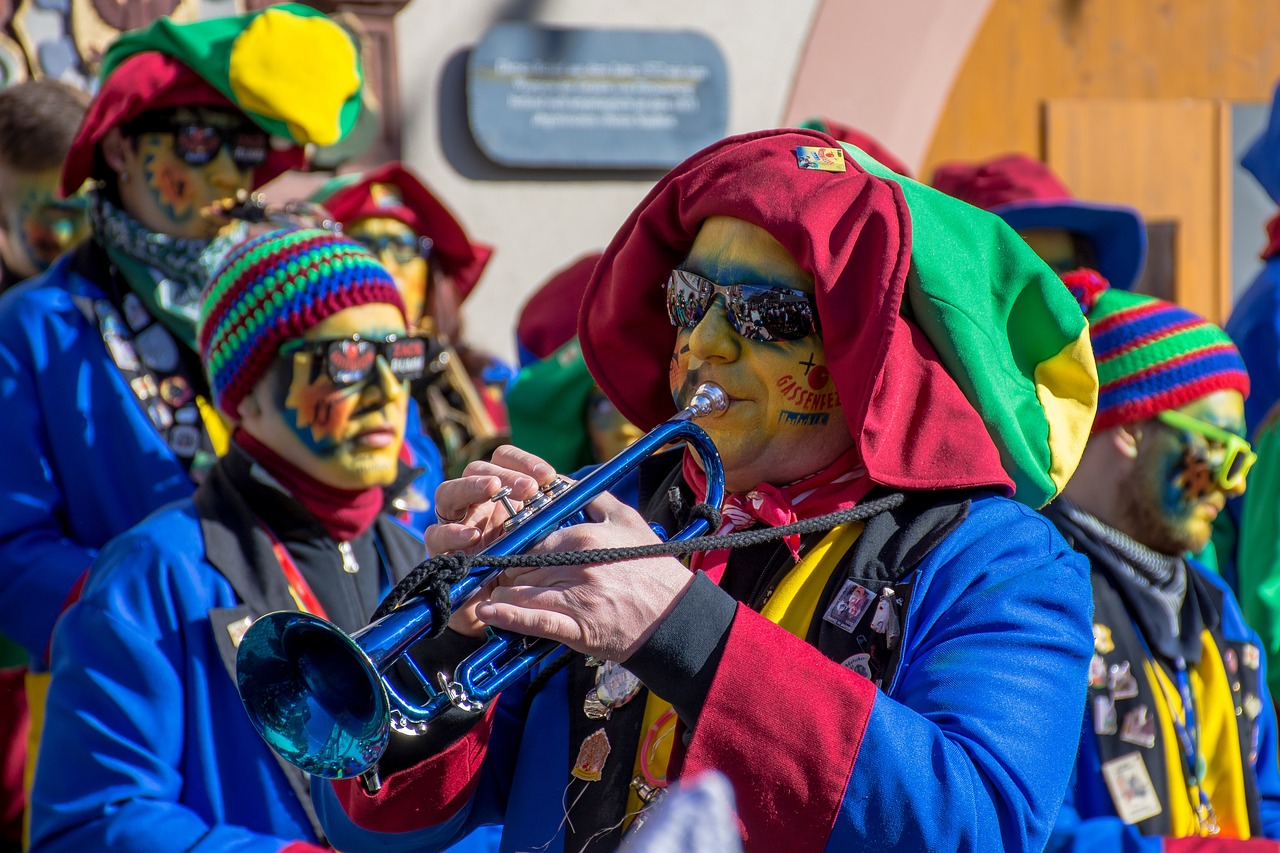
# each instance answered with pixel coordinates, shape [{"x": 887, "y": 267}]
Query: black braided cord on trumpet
[{"x": 434, "y": 577}]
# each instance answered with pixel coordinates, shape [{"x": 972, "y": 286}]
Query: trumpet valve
[
  {"x": 503, "y": 496},
  {"x": 531, "y": 507}
]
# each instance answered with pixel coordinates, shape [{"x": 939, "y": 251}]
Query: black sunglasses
[
  {"x": 197, "y": 142},
  {"x": 347, "y": 361},
  {"x": 403, "y": 248},
  {"x": 758, "y": 312}
]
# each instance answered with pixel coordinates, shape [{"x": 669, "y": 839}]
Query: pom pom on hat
[
  {"x": 274, "y": 288},
  {"x": 1153, "y": 356},
  {"x": 1086, "y": 286}
]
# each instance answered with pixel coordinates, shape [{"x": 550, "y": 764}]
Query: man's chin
[{"x": 362, "y": 470}]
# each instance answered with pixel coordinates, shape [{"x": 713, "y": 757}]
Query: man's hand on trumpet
[{"x": 604, "y": 610}]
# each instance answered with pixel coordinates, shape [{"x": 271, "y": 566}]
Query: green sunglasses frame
[{"x": 1232, "y": 443}]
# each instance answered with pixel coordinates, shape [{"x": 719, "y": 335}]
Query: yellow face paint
[
  {"x": 785, "y": 419},
  {"x": 38, "y": 225},
  {"x": 389, "y": 240},
  {"x": 348, "y": 437},
  {"x": 166, "y": 194}
]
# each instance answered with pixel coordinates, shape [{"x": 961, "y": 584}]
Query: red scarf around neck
[
  {"x": 838, "y": 486},
  {"x": 345, "y": 513}
]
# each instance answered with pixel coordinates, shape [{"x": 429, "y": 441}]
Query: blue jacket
[
  {"x": 968, "y": 748},
  {"x": 82, "y": 460},
  {"x": 146, "y": 746}
]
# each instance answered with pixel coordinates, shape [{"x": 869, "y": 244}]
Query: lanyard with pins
[{"x": 1187, "y": 728}]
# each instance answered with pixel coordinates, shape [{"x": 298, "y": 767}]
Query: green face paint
[{"x": 1177, "y": 493}]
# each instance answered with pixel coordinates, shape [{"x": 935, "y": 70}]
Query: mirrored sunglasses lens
[
  {"x": 350, "y": 361},
  {"x": 403, "y": 250},
  {"x": 686, "y": 304},
  {"x": 196, "y": 144},
  {"x": 408, "y": 358},
  {"x": 770, "y": 314},
  {"x": 250, "y": 149}
]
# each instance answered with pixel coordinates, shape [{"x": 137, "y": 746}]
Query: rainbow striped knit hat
[
  {"x": 1152, "y": 355},
  {"x": 276, "y": 287}
]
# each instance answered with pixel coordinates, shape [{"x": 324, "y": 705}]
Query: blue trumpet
[{"x": 327, "y": 701}]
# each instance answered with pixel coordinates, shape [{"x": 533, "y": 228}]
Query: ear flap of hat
[{"x": 1006, "y": 328}]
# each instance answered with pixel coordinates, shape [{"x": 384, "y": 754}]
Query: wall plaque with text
[{"x": 595, "y": 98}]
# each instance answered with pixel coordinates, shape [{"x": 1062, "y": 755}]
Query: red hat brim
[
  {"x": 457, "y": 256},
  {"x": 143, "y": 83}
]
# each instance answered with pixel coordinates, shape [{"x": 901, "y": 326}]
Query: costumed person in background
[
  {"x": 558, "y": 412},
  {"x": 107, "y": 414},
  {"x": 910, "y": 682},
  {"x": 1067, "y": 232},
  {"x": 1178, "y": 750},
  {"x": 417, "y": 238},
  {"x": 38, "y": 120},
  {"x": 1077, "y": 238},
  {"x": 1254, "y": 323},
  {"x": 147, "y": 746}
]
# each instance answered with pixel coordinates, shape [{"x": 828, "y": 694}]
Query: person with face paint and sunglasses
[
  {"x": 304, "y": 339},
  {"x": 910, "y": 681},
  {"x": 1178, "y": 749},
  {"x": 108, "y": 413},
  {"x": 393, "y": 213}
]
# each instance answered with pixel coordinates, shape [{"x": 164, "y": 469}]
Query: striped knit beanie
[
  {"x": 1152, "y": 355},
  {"x": 276, "y": 287}
]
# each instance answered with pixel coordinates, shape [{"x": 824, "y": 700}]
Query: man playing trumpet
[{"x": 913, "y": 681}]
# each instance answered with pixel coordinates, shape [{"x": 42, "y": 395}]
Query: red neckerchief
[
  {"x": 838, "y": 486},
  {"x": 345, "y": 513},
  {"x": 1273, "y": 238}
]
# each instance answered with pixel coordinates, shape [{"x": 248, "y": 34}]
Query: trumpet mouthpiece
[{"x": 708, "y": 400}]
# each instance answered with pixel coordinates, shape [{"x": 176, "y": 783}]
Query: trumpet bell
[{"x": 313, "y": 694}]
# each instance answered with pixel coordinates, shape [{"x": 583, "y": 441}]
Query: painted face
[
  {"x": 167, "y": 194},
  {"x": 37, "y": 226},
  {"x": 784, "y": 420},
  {"x": 348, "y": 437},
  {"x": 610, "y": 433},
  {"x": 397, "y": 247},
  {"x": 1176, "y": 497}
]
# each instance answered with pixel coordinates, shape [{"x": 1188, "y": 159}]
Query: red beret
[{"x": 143, "y": 83}]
